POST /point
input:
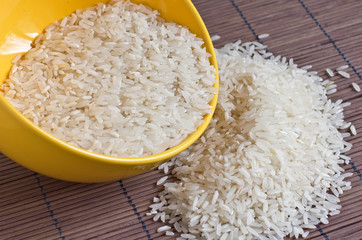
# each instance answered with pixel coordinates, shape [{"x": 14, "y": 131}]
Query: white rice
[
  {"x": 162, "y": 180},
  {"x": 329, "y": 72},
  {"x": 169, "y": 233},
  {"x": 265, "y": 35},
  {"x": 344, "y": 74},
  {"x": 114, "y": 79},
  {"x": 307, "y": 67},
  {"x": 163, "y": 229},
  {"x": 334, "y": 90},
  {"x": 356, "y": 87},
  {"x": 268, "y": 163},
  {"x": 343, "y": 67},
  {"x": 215, "y": 38},
  {"x": 353, "y": 130}
]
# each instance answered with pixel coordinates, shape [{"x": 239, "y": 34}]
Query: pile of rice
[
  {"x": 114, "y": 79},
  {"x": 268, "y": 164}
]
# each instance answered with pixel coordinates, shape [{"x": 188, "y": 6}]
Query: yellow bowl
[{"x": 30, "y": 146}]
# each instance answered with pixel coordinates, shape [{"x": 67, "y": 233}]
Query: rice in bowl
[{"x": 114, "y": 79}]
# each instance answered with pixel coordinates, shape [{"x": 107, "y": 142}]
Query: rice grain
[
  {"x": 356, "y": 87},
  {"x": 344, "y": 74},
  {"x": 265, "y": 35},
  {"x": 329, "y": 72},
  {"x": 353, "y": 130}
]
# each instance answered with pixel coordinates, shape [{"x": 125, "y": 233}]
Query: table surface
[{"x": 321, "y": 33}]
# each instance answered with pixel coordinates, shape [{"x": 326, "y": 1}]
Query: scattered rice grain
[
  {"x": 215, "y": 38},
  {"x": 162, "y": 180},
  {"x": 265, "y": 35},
  {"x": 343, "y": 67},
  {"x": 329, "y": 72},
  {"x": 353, "y": 130},
  {"x": 344, "y": 74},
  {"x": 163, "y": 229},
  {"x": 356, "y": 87}
]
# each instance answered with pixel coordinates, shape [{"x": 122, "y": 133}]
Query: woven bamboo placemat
[{"x": 321, "y": 33}]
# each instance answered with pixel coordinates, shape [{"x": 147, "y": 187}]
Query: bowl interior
[{"x": 22, "y": 20}]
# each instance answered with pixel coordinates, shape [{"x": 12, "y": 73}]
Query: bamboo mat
[{"x": 321, "y": 33}]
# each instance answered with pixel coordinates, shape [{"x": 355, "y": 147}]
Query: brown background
[{"x": 322, "y": 33}]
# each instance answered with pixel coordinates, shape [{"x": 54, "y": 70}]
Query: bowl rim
[{"x": 149, "y": 159}]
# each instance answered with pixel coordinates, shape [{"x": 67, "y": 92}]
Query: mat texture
[{"x": 321, "y": 33}]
